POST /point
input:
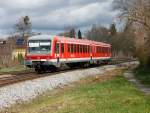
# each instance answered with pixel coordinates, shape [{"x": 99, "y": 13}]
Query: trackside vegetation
[
  {"x": 9, "y": 70},
  {"x": 114, "y": 95},
  {"x": 143, "y": 74}
]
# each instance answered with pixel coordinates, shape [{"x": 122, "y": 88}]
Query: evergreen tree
[
  {"x": 23, "y": 26},
  {"x": 113, "y": 30},
  {"x": 79, "y": 34}
]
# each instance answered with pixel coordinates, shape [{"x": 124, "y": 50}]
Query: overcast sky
[{"x": 54, "y": 16}]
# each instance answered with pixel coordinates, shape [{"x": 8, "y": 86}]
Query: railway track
[{"x": 17, "y": 77}]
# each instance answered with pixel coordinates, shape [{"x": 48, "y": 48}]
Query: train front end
[{"x": 39, "y": 52}]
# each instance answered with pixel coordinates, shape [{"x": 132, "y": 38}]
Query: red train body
[{"x": 46, "y": 52}]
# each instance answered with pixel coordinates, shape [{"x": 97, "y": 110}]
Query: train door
[
  {"x": 57, "y": 51},
  {"x": 62, "y": 55},
  {"x": 91, "y": 53}
]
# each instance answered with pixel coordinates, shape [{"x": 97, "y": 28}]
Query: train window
[
  {"x": 75, "y": 48},
  {"x": 83, "y": 48},
  {"x": 71, "y": 48},
  {"x": 105, "y": 49},
  {"x": 88, "y": 49},
  {"x": 109, "y": 50},
  {"x": 78, "y": 49},
  {"x": 62, "y": 48},
  {"x": 96, "y": 49},
  {"x": 68, "y": 48},
  {"x": 101, "y": 50},
  {"x": 57, "y": 48}
]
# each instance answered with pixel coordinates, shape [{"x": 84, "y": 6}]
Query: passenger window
[
  {"x": 102, "y": 50},
  {"x": 83, "y": 48},
  {"x": 74, "y": 48},
  {"x": 68, "y": 48},
  {"x": 78, "y": 49},
  {"x": 71, "y": 48},
  {"x": 88, "y": 49},
  {"x": 62, "y": 48}
]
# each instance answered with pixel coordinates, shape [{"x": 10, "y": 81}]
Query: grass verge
[
  {"x": 9, "y": 70},
  {"x": 106, "y": 94},
  {"x": 143, "y": 74}
]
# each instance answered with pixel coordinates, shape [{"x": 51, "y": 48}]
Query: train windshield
[{"x": 39, "y": 46}]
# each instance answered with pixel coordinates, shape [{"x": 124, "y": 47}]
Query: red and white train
[{"x": 45, "y": 52}]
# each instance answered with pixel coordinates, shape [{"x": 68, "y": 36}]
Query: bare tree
[
  {"x": 23, "y": 26},
  {"x": 98, "y": 33},
  {"x": 136, "y": 13},
  {"x": 122, "y": 43}
]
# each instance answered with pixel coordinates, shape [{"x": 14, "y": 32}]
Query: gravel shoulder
[{"x": 131, "y": 78}]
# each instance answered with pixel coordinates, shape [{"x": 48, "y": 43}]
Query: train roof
[
  {"x": 81, "y": 41},
  {"x": 41, "y": 37},
  {"x": 67, "y": 40}
]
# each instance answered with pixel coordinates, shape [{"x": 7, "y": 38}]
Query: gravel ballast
[{"x": 27, "y": 90}]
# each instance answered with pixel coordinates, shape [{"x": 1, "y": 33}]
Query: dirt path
[{"x": 131, "y": 78}]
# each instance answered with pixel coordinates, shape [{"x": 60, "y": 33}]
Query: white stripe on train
[{"x": 73, "y": 59}]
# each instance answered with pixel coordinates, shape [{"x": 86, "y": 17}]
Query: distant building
[
  {"x": 5, "y": 52},
  {"x": 10, "y": 48},
  {"x": 20, "y": 45}
]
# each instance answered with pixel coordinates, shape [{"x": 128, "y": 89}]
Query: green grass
[
  {"x": 143, "y": 74},
  {"x": 17, "y": 68},
  {"x": 112, "y": 96}
]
